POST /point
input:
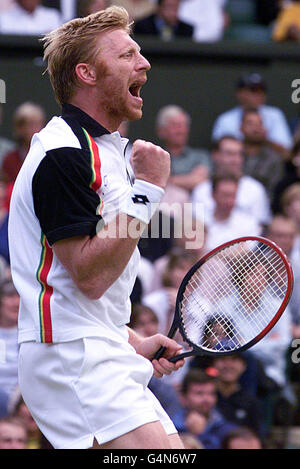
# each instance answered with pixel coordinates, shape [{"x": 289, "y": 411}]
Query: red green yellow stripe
[
  {"x": 96, "y": 180},
  {"x": 46, "y": 291}
]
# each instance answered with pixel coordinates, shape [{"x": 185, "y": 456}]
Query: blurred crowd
[
  {"x": 201, "y": 21},
  {"x": 246, "y": 183}
]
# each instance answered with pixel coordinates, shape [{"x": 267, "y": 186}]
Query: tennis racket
[{"x": 232, "y": 297}]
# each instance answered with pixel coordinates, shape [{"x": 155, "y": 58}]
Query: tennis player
[{"x": 83, "y": 373}]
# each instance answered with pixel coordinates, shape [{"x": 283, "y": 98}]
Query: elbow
[
  {"x": 90, "y": 291},
  {"x": 91, "y": 294},
  {"x": 92, "y": 284},
  {"x": 93, "y": 288}
]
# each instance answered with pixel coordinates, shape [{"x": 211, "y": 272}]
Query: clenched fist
[{"x": 150, "y": 163}]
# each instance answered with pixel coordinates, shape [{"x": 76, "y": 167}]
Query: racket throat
[{"x": 182, "y": 355}]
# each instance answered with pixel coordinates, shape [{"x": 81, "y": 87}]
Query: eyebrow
[{"x": 132, "y": 46}]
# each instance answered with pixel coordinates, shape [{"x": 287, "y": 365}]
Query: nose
[{"x": 143, "y": 63}]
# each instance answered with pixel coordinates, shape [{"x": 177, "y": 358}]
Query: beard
[{"x": 114, "y": 101}]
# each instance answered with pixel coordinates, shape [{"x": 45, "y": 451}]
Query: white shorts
[{"x": 88, "y": 388}]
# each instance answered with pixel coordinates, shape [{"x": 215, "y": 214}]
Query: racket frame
[{"x": 177, "y": 322}]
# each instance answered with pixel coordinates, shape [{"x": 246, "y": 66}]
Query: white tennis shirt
[{"x": 73, "y": 176}]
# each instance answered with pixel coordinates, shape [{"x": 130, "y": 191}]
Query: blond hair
[{"x": 75, "y": 42}]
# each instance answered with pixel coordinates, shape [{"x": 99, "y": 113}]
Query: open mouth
[{"x": 135, "y": 89}]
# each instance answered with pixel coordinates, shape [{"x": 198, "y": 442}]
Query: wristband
[{"x": 143, "y": 200}]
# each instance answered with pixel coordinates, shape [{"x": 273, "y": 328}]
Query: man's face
[
  {"x": 121, "y": 72},
  {"x": 176, "y": 130},
  {"x": 251, "y": 98},
  {"x": 168, "y": 10},
  {"x": 201, "y": 397},
  {"x": 245, "y": 443},
  {"x": 29, "y": 5},
  {"x": 30, "y": 125},
  {"x": 147, "y": 324},
  {"x": 283, "y": 234},
  {"x": 225, "y": 196},
  {"x": 12, "y": 436},
  {"x": 229, "y": 368},
  {"x": 253, "y": 129},
  {"x": 229, "y": 156}
]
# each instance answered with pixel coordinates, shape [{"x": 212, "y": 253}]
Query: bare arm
[
  {"x": 94, "y": 264},
  {"x": 190, "y": 180}
]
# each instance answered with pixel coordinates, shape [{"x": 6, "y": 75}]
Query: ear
[{"x": 86, "y": 73}]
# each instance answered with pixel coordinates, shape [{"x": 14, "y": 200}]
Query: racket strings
[
  {"x": 233, "y": 296},
  {"x": 273, "y": 265}
]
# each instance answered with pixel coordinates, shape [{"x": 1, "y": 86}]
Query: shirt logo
[{"x": 140, "y": 199}]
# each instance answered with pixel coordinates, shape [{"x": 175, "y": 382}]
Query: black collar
[{"x": 87, "y": 122}]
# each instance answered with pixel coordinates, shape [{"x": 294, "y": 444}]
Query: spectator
[
  {"x": 191, "y": 237},
  {"x": 242, "y": 438},
  {"x": 4, "y": 212},
  {"x": 29, "y": 17},
  {"x": 287, "y": 24},
  {"x": 137, "y": 9},
  {"x": 291, "y": 176},
  {"x": 28, "y": 119},
  {"x": 261, "y": 161},
  {"x": 13, "y": 434},
  {"x": 155, "y": 242},
  {"x": 144, "y": 320},
  {"x": 9, "y": 308},
  {"x": 290, "y": 202},
  {"x": 164, "y": 23},
  {"x": 227, "y": 221},
  {"x": 272, "y": 349},
  {"x": 199, "y": 415},
  {"x": 189, "y": 166},
  {"x": 3, "y": 395},
  {"x": 6, "y": 145},
  {"x": 235, "y": 403},
  {"x": 251, "y": 93},
  {"x": 283, "y": 230},
  {"x": 208, "y": 18},
  {"x": 35, "y": 439},
  {"x": 251, "y": 197},
  {"x": 163, "y": 301},
  {"x": 190, "y": 441}
]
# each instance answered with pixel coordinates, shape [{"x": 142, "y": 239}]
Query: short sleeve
[{"x": 64, "y": 201}]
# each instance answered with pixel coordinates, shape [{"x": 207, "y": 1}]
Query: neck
[
  {"x": 175, "y": 150},
  {"x": 220, "y": 215},
  {"x": 227, "y": 389},
  {"x": 252, "y": 148},
  {"x": 90, "y": 105}
]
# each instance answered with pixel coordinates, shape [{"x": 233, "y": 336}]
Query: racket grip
[{"x": 159, "y": 353}]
